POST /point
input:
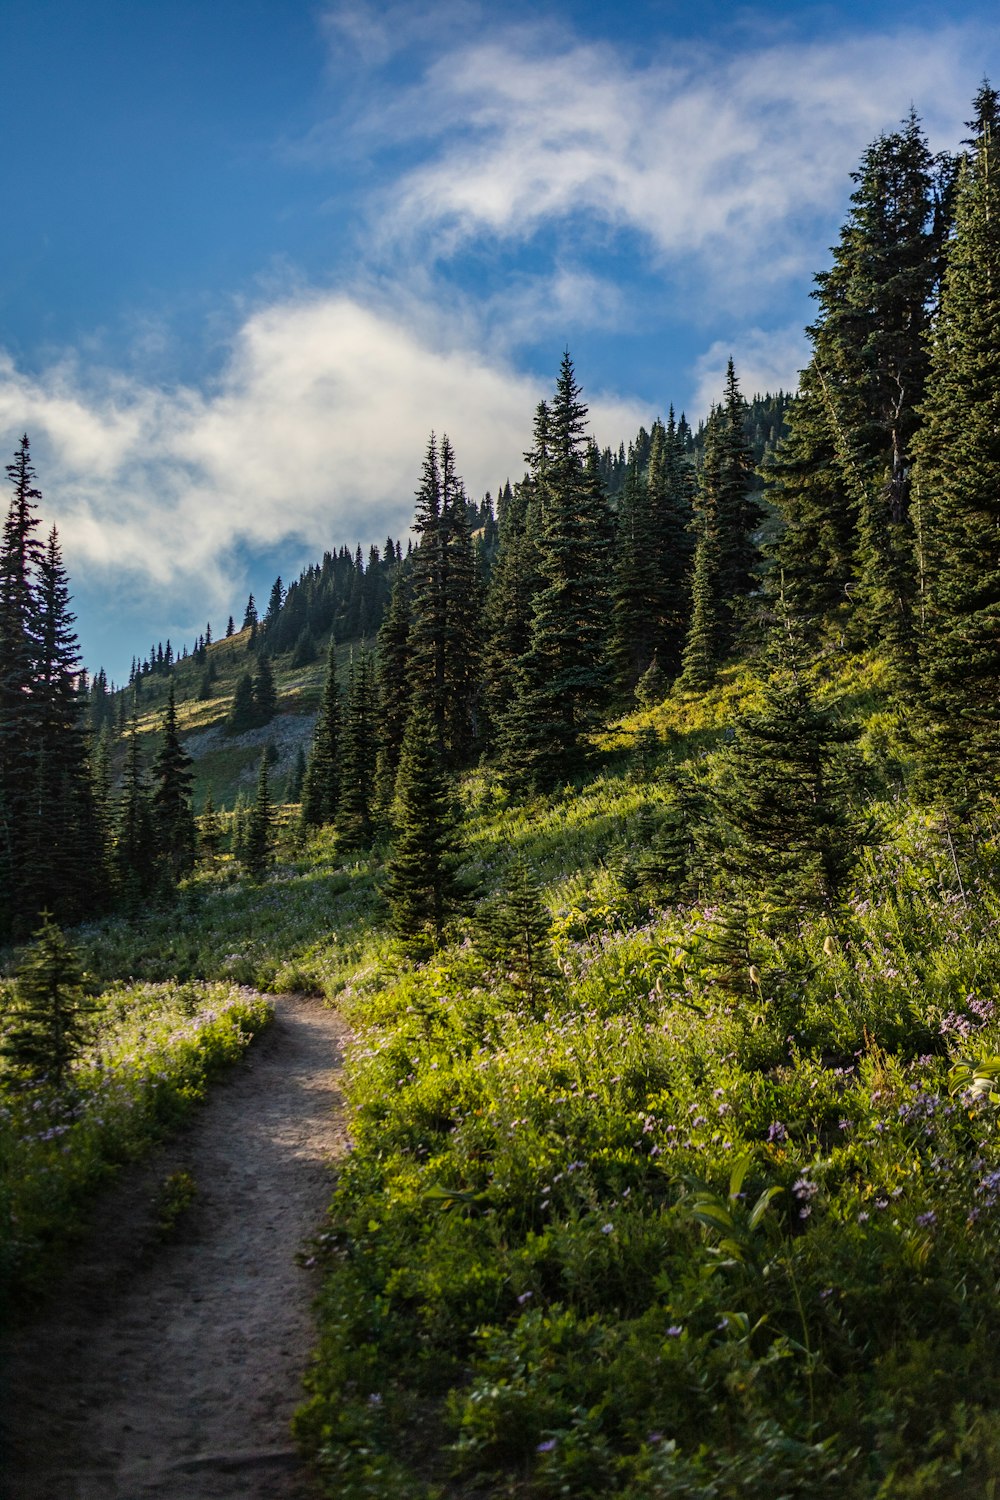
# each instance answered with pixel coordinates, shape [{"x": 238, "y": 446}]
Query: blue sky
[{"x": 255, "y": 250}]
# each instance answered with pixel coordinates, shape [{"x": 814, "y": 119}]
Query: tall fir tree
[
  {"x": 258, "y": 851},
  {"x": 957, "y": 490},
  {"x": 173, "y": 815},
  {"x": 514, "y": 582},
  {"x": 421, "y": 885},
  {"x": 63, "y": 838},
  {"x": 444, "y": 641},
  {"x": 652, "y": 559},
  {"x": 135, "y": 842},
  {"x": 355, "y": 821},
  {"x": 727, "y": 556},
  {"x": 842, "y": 479},
  {"x": 21, "y": 554},
  {"x": 321, "y": 785},
  {"x": 561, "y": 687},
  {"x": 394, "y": 689}
]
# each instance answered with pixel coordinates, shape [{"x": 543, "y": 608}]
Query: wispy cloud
[
  {"x": 727, "y": 158},
  {"x": 315, "y": 432}
]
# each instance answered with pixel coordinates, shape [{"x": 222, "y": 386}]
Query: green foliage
[
  {"x": 151, "y": 1055},
  {"x": 47, "y": 1026},
  {"x": 258, "y": 840},
  {"x": 957, "y": 482},
  {"x": 421, "y": 885}
]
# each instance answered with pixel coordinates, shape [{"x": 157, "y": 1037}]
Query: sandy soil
[{"x": 172, "y": 1369}]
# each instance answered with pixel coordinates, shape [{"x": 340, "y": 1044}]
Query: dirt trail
[{"x": 173, "y": 1369}]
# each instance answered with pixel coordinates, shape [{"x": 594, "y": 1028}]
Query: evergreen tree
[
  {"x": 358, "y": 756},
  {"x": 296, "y": 781},
  {"x": 135, "y": 848},
  {"x": 243, "y": 714},
  {"x": 173, "y": 816},
  {"x": 421, "y": 885},
  {"x": 210, "y": 833},
  {"x": 49, "y": 1023},
  {"x": 782, "y": 824},
  {"x": 561, "y": 686},
  {"x": 257, "y": 845},
  {"x": 652, "y": 559},
  {"x": 726, "y": 553},
  {"x": 265, "y": 696},
  {"x": 957, "y": 489},
  {"x": 321, "y": 785},
  {"x": 514, "y": 581},
  {"x": 515, "y": 936},
  {"x": 230, "y": 627},
  {"x": 20, "y": 558},
  {"x": 63, "y": 853},
  {"x": 443, "y": 645},
  {"x": 394, "y": 690},
  {"x": 250, "y": 614},
  {"x": 844, "y": 486}
]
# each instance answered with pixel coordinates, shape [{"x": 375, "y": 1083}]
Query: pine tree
[
  {"x": 210, "y": 833},
  {"x": 321, "y": 785},
  {"x": 844, "y": 485},
  {"x": 20, "y": 558},
  {"x": 358, "y": 756},
  {"x": 421, "y": 885},
  {"x": 394, "y": 689},
  {"x": 49, "y": 1022},
  {"x": 443, "y": 645},
  {"x": 135, "y": 848},
  {"x": 257, "y": 846},
  {"x": 652, "y": 559},
  {"x": 173, "y": 816},
  {"x": 63, "y": 852},
  {"x": 515, "y": 936},
  {"x": 561, "y": 686},
  {"x": 296, "y": 781},
  {"x": 726, "y": 553},
  {"x": 957, "y": 490},
  {"x": 243, "y": 714},
  {"x": 782, "y": 823},
  {"x": 514, "y": 582},
  {"x": 265, "y": 696}
]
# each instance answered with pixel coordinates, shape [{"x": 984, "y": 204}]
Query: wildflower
[
  {"x": 928, "y": 1219},
  {"x": 777, "y": 1132},
  {"x": 607, "y": 1228},
  {"x": 547, "y": 1446},
  {"x": 674, "y": 1331}
]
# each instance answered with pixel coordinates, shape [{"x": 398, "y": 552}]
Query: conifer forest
[{"x": 641, "y": 820}]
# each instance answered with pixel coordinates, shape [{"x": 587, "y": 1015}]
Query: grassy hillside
[
  {"x": 224, "y": 763},
  {"x": 715, "y": 1216}
]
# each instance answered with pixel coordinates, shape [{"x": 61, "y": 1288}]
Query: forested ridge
[{"x": 643, "y": 821}]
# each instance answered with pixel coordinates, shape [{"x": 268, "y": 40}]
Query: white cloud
[
  {"x": 315, "y": 431},
  {"x": 763, "y": 360},
  {"x": 727, "y": 157}
]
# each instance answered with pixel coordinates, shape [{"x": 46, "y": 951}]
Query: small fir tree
[
  {"x": 257, "y": 845},
  {"x": 50, "y": 1022},
  {"x": 421, "y": 885},
  {"x": 515, "y": 937},
  {"x": 321, "y": 784},
  {"x": 172, "y": 812}
]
